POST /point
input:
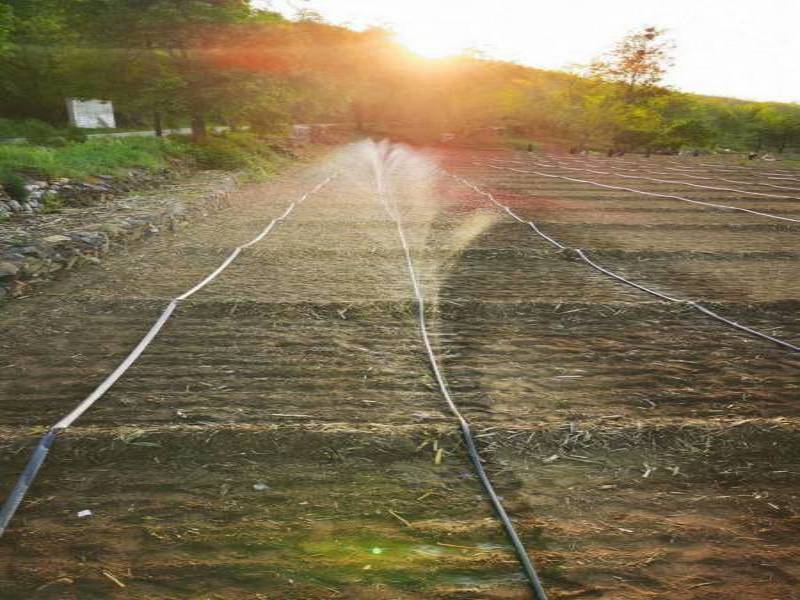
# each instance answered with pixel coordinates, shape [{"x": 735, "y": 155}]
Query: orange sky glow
[{"x": 742, "y": 48}]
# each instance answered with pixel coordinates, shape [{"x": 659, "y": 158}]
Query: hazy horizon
[{"x": 735, "y": 48}]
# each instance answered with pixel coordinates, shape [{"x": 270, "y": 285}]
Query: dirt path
[{"x": 283, "y": 437}]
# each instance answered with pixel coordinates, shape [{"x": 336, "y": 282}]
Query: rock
[
  {"x": 27, "y": 208},
  {"x": 93, "y": 239},
  {"x": 32, "y": 265},
  {"x": 56, "y": 239},
  {"x": 30, "y": 251},
  {"x": 8, "y": 269},
  {"x": 14, "y": 206}
]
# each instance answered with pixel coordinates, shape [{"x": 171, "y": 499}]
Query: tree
[
  {"x": 638, "y": 62},
  {"x": 778, "y": 126},
  {"x": 193, "y": 57},
  {"x": 34, "y": 54}
]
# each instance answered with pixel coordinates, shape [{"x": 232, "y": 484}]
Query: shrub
[
  {"x": 43, "y": 134},
  {"x": 14, "y": 185},
  {"x": 14, "y": 128},
  {"x": 270, "y": 122},
  {"x": 521, "y": 143},
  {"x": 221, "y": 152},
  {"x": 51, "y": 203},
  {"x": 40, "y": 133},
  {"x": 75, "y": 134}
]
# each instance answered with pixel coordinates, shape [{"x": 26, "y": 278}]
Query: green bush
[
  {"x": 14, "y": 185},
  {"x": 51, "y": 203},
  {"x": 43, "y": 134},
  {"x": 521, "y": 143},
  {"x": 98, "y": 156},
  {"x": 75, "y": 134},
  {"x": 223, "y": 153},
  {"x": 40, "y": 133},
  {"x": 270, "y": 122},
  {"x": 13, "y": 128}
]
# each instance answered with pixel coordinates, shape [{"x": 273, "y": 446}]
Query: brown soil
[{"x": 643, "y": 450}]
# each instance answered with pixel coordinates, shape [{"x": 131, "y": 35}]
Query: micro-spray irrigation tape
[
  {"x": 644, "y": 167},
  {"x": 582, "y": 255},
  {"x": 39, "y": 455},
  {"x": 717, "y": 178},
  {"x": 644, "y": 193},
  {"x": 522, "y": 554},
  {"x": 671, "y": 181},
  {"x": 781, "y": 173}
]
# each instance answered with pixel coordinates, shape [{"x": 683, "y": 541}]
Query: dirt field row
[{"x": 283, "y": 437}]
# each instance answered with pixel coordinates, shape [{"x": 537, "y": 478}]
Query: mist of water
[{"x": 413, "y": 188}]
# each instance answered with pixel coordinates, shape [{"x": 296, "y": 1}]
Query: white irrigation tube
[
  {"x": 674, "y": 182},
  {"x": 17, "y": 494},
  {"x": 779, "y": 173},
  {"x": 522, "y": 554},
  {"x": 638, "y": 167},
  {"x": 786, "y": 175},
  {"x": 644, "y": 193},
  {"x": 582, "y": 255}
]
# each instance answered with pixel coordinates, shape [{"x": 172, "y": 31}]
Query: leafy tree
[
  {"x": 190, "y": 57},
  {"x": 778, "y": 126},
  {"x": 34, "y": 55},
  {"x": 638, "y": 62}
]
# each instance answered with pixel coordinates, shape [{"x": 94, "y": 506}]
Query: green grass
[
  {"x": 520, "y": 143},
  {"x": 241, "y": 152},
  {"x": 94, "y": 157}
]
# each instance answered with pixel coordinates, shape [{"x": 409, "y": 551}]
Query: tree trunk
[
  {"x": 199, "y": 132},
  {"x": 157, "y": 125}
]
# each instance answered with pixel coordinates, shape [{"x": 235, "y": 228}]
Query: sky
[{"x": 742, "y": 48}]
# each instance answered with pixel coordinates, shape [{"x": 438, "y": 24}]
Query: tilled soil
[{"x": 283, "y": 437}]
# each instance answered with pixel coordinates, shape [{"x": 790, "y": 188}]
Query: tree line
[{"x": 196, "y": 62}]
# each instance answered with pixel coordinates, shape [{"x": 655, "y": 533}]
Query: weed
[
  {"x": 51, "y": 203},
  {"x": 15, "y": 187}
]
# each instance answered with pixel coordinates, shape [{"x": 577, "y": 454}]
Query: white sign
[{"x": 91, "y": 114}]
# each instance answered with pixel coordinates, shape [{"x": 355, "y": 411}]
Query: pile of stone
[
  {"x": 37, "y": 249},
  {"x": 73, "y": 192}
]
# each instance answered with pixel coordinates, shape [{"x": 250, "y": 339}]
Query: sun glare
[{"x": 431, "y": 44}]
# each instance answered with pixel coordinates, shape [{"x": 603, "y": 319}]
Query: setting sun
[{"x": 431, "y": 42}]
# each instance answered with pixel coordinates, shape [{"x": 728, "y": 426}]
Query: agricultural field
[{"x": 284, "y": 436}]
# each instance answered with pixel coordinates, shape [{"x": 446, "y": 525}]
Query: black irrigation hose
[
  {"x": 582, "y": 255},
  {"x": 522, "y": 554}
]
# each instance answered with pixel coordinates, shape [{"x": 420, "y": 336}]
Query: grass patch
[
  {"x": 116, "y": 156},
  {"x": 95, "y": 157},
  {"x": 520, "y": 143}
]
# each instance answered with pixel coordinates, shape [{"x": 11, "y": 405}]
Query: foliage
[
  {"x": 220, "y": 153},
  {"x": 521, "y": 143},
  {"x": 177, "y": 62},
  {"x": 51, "y": 203},
  {"x": 193, "y": 57},
  {"x": 638, "y": 62},
  {"x": 14, "y": 186},
  {"x": 96, "y": 156}
]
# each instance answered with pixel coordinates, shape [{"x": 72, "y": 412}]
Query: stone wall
[{"x": 37, "y": 247}]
